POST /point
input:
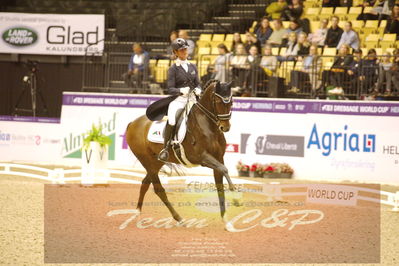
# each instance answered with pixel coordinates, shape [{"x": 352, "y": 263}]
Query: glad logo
[{"x": 20, "y": 36}]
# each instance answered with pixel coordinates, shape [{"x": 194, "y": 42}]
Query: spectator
[
  {"x": 275, "y": 9},
  {"x": 236, "y": 40},
  {"x": 334, "y": 33},
  {"x": 309, "y": 72},
  {"x": 191, "y": 45},
  {"x": 368, "y": 75},
  {"x": 138, "y": 67},
  {"x": 293, "y": 11},
  {"x": 264, "y": 32},
  {"x": 292, "y": 49},
  {"x": 385, "y": 74},
  {"x": 319, "y": 37},
  {"x": 239, "y": 65},
  {"x": 255, "y": 74},
  {"x": 169, "y": 51},
  {"x": 294, "y": 27},
  {"x": 393, "y": 22},
  {"x": 380, "y": 11},
  {"x": 303, "y": 44},
  {"x": 331, "y": 3},
  {"x": 269, "y": 61},
  {"x": 222, "y": 64},
  {"x": 349, "y": 37},
  {"x": 276, "y": 39},
  {"x": 340, "y": 66},
  {"x": 251, "y": 40}
]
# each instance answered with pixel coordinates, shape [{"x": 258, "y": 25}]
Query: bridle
[{"x": 216, "y": 118}]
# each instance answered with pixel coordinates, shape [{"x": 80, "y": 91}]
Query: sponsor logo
[
  {"x": 327, "y": 142},
  {"x": 72, "y": 143},
  {"x": 20, "y": 36},
  {"x": 232, "y": 148},
  {"x": 5, "y": 138},
  {"x": 277, "y": 145}
]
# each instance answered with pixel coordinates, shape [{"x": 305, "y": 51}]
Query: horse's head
[{"x": 219, "y": 99}]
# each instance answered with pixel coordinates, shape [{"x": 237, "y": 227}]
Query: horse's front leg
[{"x": 211, "y": 162}]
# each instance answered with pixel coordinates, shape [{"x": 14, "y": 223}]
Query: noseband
[{"x": 216, "y": 118}]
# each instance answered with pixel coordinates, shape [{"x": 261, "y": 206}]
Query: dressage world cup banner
[{"x": 51, "y": 34}]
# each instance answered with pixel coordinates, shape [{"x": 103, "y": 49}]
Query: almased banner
[
  {"x": 330, "y": 140},
  {"x": 51, "y": 34}
]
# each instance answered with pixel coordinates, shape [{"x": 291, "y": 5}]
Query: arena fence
[
  {"x": 274, "y": 191},
  {"x": 289, "y": 78}
]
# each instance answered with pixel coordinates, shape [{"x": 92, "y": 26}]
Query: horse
[{"x": 204, "y": 144}]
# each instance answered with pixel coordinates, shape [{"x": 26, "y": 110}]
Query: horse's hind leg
[
  {"x": 220, "y": 189},
  {"x": 145, "y": 184},
  {"x": 160, "y": 191}
]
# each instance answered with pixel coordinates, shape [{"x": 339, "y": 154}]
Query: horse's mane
[{"x": 209, "y": 83}]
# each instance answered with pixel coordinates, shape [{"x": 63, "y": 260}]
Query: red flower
[
  {"x": 253, "y": 167},
  {"x": 269, "y": 169}
]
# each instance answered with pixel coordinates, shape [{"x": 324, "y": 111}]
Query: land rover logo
[{"x": 20, "y": 36}]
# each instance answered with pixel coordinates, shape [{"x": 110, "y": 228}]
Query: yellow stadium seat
[
  {"x": 205, "y": 37},
  {"x": 378, "y": 51},
  {"x": 218, "y": 38},
  {"x": 275, "y": 50},
  {"x": 243, "y": 37},
  {"x": 367, "y": 9},
  {"x": 286, "y": 24},
  {"x": 204, "y": 50},
  {"x": 326, "y": 12},
  {"x": 353, "y": 13},
  {"x": 371, "y": 41},
  {"x": 161, "y": 70},
  {"x": 215, "y": 50},
  {"x": 364, "y": 51},
  {"x": 341, "y": 12},
  {"x": 229, "y": 38},
  {"x": 298, "y": 65},
  {"x": 330, "y": 51},
  {"x": 283, "y": 50},
  {"x": 202, "y": 43},
  {"x": 390, "y": 50},
  {"x": 163, "y": 62},
  {"x": 312, "y": 13},
  {"x": 314, "y": 25},
  {"x": 357, "y": 24},
  {"x": 202, "y": 66},
  {"x": 370, "y": 26},
  {"x": 215, "y": 44},
  {"x": 388, "y": 40}
]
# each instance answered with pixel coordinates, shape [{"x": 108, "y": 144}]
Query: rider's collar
[{"x": 181, "y": 62}]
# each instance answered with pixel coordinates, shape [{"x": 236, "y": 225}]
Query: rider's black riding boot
[{"x": 164, "y": 154}]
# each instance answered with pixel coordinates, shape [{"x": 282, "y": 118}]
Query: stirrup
[{"x": 163, "y": 155}]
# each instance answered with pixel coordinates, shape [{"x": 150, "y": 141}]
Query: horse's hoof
[{"x": 229, "y": 227}]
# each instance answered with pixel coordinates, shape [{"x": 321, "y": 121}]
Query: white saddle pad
[{"x": 155, "y": 134}]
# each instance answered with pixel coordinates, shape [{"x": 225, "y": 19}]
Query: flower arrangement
[
  {"x": 272, "y": 170},
  {"x": 243, "y": 169},
  {"x": 96, "y": 134}
]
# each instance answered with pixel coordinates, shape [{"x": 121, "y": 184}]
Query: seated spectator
[
  {"x": 340, "y": 66},
  {"x": 331, "y": 3},
  {"x": 319, "y": 36},
  {"x": 334, "y": 33},
  {"x": 393, "y": 22},
  {"x": 169, "y": 51},
  {"x": 349, "y": 37},
  {"x": 294, "y": 27},
  {"x": 191, "y": 45},
  {"x": 138, "y": 67},
  {"x": 368, "y": 75},
  {"x": 384, "y": 74},
  {"x": 380, "y": 11},
  {"x": 269, "y": 61},
  {"x": 275, "y": 9},
  {"x": 292, "y": 48},
  {"x": 276, "y": 39},
  {"x": 311, "y": 67},
  {"x": 264, "y": 32},
  {"x": 251, "y": 40},
  {"x": 236, "y": 40},
  {"x": 222, "y": 64},
  {"x": 239, "y": 65},
  {"x": 255, "y": 74},
  {"x": 303, "y": 43},
  {"x": 293, "y": 11}
]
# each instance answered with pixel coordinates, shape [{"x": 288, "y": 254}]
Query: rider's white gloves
[
  {"x": 185, "y": 90},
  {"x": 197, "y": 91}
]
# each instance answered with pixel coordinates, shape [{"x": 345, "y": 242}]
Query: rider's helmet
[{"x": 179, "y": 43}]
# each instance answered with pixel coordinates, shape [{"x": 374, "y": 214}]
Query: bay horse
[{"x": 204, "y": 143}]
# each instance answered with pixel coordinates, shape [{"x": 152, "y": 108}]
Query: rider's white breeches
[{"x": 175, "y": 106}]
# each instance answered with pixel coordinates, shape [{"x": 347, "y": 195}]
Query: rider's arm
[
  {"x": 196, "y": 81},
  {"x": 172, "y": 82}
]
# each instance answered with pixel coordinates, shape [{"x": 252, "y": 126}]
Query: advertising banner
[
  {"x": 320, "y": 140},
  {"x": 51, "y": 34},
  {"x": 30, "y": 139}
]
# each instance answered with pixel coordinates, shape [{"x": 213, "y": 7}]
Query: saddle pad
[{"x": 155, "y": 134}]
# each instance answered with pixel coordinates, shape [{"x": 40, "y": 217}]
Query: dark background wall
[{"x": 53, "y": 79}]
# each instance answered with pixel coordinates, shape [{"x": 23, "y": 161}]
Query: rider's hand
[
  {"x": 197, "y": 91},
  {"x": 185, "y": 90}
]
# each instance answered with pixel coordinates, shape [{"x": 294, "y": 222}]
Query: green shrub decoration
[{"x": 96, "y": 134}]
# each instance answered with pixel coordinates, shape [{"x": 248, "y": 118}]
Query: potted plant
[
  {"x": 95, "y": 155},
  {"x": 278, "y": 170},
  {"x": 243, "y": 169}
]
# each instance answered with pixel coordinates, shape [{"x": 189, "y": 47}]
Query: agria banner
[{"x": 51, "y": 34}]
